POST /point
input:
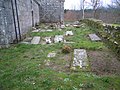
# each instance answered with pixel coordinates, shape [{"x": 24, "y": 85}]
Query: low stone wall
[{"x": 110, "y": 33}]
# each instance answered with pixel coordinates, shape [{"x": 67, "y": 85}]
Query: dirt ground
[
  {"x": 104, "y": 63},
  {"x": 101, "y": 63}
]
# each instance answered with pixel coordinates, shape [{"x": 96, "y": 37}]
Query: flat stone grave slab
[
  {"x": 49, "y": 30},
  {"x": 43, "y": 30},
  {"x": 80, "y": 58},
  {"x": 51, "y": 55},
  {"x": 37, "y": 30},
  {"x": 67, "y": 25},
  {"x": 69, "y": 33},
  {"x": 58, "y": 38},
  {"x": 94, "y": 37},
  {"x": 35, "y": 40},
  {"x": 76, "y": 26},
  {"x": 62, "y": 26}
]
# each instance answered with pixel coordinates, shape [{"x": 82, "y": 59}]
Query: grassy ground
[{"x": 27, "y": 67}]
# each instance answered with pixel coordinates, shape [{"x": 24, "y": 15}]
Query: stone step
[
  {"x": 35, "y": 40},
  {"x": 80, "y": 58},
  {"x": 94, "y": 37}
]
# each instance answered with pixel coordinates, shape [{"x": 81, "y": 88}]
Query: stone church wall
[{"x": 18, "y": 16}]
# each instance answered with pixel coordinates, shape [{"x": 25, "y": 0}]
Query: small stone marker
[
  {"x": 94, "y": 37},
  {"x": 48, "y": 40},
  {"x": 80, "y": 58},
  {"x": 58, "y": 38},
  {"x": 35, "y": 40},
  {"x": 69, "y": 33},
  {"x": 52, "y": 54}
]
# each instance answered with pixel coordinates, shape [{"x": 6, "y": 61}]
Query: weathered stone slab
[
  {"x": 67, "y": 25},
  {"x": 52, "y": 54},
  {"x": 76, "y": 26},
  {"x": 62, "y": 26},
  {"x": 35, "y": 40},
  {"x": 94, "y": 37},
  {"x": 49, "y": 30},
  {"x": 76, "y": 23},
  {"x": 37, "y": 30},
  {"x": 58, "y": 38},
  {"x": 43, "y": 30},
  {"x": 80, "y": 58},
  {"x": 69, "y": 33}
]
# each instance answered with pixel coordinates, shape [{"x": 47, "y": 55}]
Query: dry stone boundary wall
[{"x": 110, "y": 33}]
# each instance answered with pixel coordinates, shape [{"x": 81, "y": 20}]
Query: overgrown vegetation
[
  {"x": 27, "y": 67},
  {"x": 109, "y": 32}
]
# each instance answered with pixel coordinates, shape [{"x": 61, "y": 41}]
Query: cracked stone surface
[{"x": 80, "y": 58}]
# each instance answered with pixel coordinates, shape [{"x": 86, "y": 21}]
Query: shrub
[{"x": 66, "y": 49}]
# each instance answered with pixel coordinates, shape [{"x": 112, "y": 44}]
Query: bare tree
[
  {"x": 95, "y": 4},
  {"x": 114, "y": 4},
  {"x": 117, "y": 2},
  {"x": 82, "y": 7}
]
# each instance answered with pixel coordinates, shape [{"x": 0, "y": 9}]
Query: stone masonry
[
  {"x": 52, "y": 10},
  {"x": 18, "y": 16}
]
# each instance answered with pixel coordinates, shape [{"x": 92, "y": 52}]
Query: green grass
[
  {"x": 115, "y": 24},
  {"x": 22, "y": 67}
]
